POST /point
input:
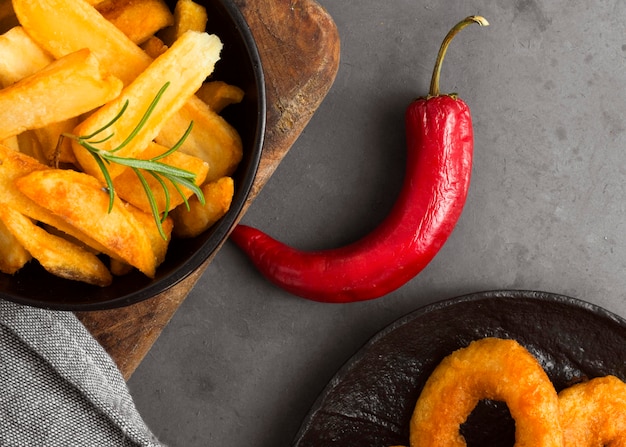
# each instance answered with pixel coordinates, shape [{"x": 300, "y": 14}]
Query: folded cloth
[{"x": 59, "y": 387}]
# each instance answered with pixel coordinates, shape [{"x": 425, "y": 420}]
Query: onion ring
[
  {"x": 593, "y": 413},
  {"x": 490, "y": 368}
]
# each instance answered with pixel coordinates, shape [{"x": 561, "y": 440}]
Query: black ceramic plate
[
  {"x": 240, "y": 65},
  {"x": 370, "y": 401}
]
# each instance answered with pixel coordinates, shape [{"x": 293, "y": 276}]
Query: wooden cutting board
[{"x": 299, "y": 47}]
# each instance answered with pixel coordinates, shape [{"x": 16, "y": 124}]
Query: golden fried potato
[
  {"x": 13, "y": 256},
  {"x": 62, "y": 27},
  {"x": 20, "y": 56},
  {"x": 14, "y": 165},
  {"x": 197, "y": 53},
  {"x": 159, "y": 245},
  {"x": 219, "y": 94},
  {"x": 188, "y": 16},
  {"x": 154, "y": 47},
  {"x": 57, "y": 255},
  {"x": 11, "y": 143},
  {"x": 66, "y": 88},
  {"x": 80, "y": 200},
  {"x": 138, "y": 19},
  {"x": 212, "y": 138},
  {"x": 55, "y": 149},
  {"x": 129, "y": 187},
  {"x": 218, "y": 197}
]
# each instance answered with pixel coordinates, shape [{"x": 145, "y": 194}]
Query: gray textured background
[{"x": 242, "y": 362}]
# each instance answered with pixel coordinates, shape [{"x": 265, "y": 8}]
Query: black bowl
[{"x": 240, "y": 65}]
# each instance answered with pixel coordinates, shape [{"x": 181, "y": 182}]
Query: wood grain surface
[{"x": 299, "y": 47}]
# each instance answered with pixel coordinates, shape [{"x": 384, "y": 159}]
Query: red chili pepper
[{"x": 439, "y": 162}]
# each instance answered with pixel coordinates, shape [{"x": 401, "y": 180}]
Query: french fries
[
  {"x": 185, "y": 65},
  {"x": 199, "y": 217},
  {"x": 218, "y": 95},
  {"x": 80, "y": 74},
  {"x": 62, "y": 27},
  {"x": 138, "y": 19},
  {"x": 212, "y": 139},
  {"x": 20, "y": 56},
  {"x": 13, "y": 256},
  {"x": 57, "y": 255},
  {"x": 130, "y": 188},
  {"x": 188, "y": 16},
  {"x": 70, "y": 86},
  {"x": 80, "y": 200}
]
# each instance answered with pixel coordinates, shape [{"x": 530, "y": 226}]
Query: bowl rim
[{"x": 221, "y": 229}]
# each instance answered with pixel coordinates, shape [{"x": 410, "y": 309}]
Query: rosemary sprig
[{"x": 159, "y": 170}]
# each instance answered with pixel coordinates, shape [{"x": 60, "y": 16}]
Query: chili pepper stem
[{"x": 434, "y": 82}]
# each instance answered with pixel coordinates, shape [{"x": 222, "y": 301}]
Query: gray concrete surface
[{"x": 242, "y": 362}]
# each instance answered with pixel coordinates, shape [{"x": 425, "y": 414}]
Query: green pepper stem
[{"x": 434, "y": 82}]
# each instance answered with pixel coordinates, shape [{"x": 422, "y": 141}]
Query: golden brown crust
[
  {"x": 494, "y": 369},
  {"x": 593, "y": 413}
]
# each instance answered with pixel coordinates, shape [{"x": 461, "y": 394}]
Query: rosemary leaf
[{"x": 159, "y": 170}]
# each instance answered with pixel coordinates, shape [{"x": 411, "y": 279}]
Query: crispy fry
[
  {"x": 81, "y": 201},
  {"x": 212, "y": 138},
  {"x": 14, "y": 165},
  {"x": 219, "y": 94},
  {"x": 138, "y": 19},
  {"x": 159, "y": 245},
  {"x": 184, "y": 65},
  {"x": 29, "y": 145},
  {"x": 64, "y": 89},
  {"x": 119, "y": 268},
  {"x": 53, "y": 148},
  {"x": 20, "y": 56},
  {"x": 154, "y": 47},
  {"x": 58, "y": 256},
  {"x": 129, "y": 187},
  {"x": 13, "y": 256},
  {"x": 11, "y": 143},
  {"x": 188, "y": 16},
  {"x": 62, "y": 27},
  {"x": 218, "y": 196}
]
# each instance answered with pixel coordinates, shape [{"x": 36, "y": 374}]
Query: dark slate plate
[{"x": 370, "y": 400}]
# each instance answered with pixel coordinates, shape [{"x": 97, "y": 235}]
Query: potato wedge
[
  {"x": 218, "y": 196},
  {"x": 80, "y": 200},
  {"x": 138, "y": 19},
  {"x": 159, "y": 245},
  {"x": 188, "y": 16},
  {"x": 212, "y": 138},
  {"x": 184, "y": 66},
  {"x": 62, "y": 27},
  {"x": 218, "y": 95},
  {"x": 129, "y": 187},
  {"x": 58, "y": 256},
  {"x": 11, "y": 143},
  {"x": 20, "y": 56},
  {"x": 13, "y": 256},
  {"x": 53, "y": 149},
  {"x": 66, "y": 88},
  {"x": 154, "y": 47},
  {"x": 14, "y": 165}
]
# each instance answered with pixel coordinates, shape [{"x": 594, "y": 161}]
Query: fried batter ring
[
  {"x": 490, "y": 368},
  {"x": 593, "y": 413}
]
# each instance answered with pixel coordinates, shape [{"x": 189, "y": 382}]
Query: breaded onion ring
[
  {"x": 490, "y": 368},
  {"x": 593, "y": 413}
]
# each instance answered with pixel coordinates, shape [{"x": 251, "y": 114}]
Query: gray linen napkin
[{"x": 58, "y": 387}]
